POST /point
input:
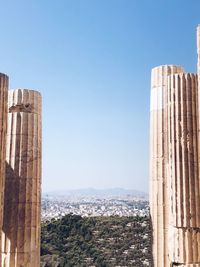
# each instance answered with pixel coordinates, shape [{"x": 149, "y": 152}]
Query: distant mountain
[{"x": 89, "y": 192}]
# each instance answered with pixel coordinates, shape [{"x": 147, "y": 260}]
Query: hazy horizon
[
  {"x": 93, "y": 188},
  {"x": 92, "y": 61}
]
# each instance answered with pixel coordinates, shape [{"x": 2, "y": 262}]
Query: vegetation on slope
[{"x": 96, "y": 241}]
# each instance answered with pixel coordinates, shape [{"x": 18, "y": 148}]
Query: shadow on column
[
  {"x": 151, "y": 237},
  {"x": 13, "y": 218}
]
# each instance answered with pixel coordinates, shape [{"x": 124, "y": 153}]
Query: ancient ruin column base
[
  {"x": 186, "y": 265},
  {"x": 184, "y": 247}
]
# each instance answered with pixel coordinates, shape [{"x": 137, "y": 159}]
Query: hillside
[{"x": 96, "y": 241}]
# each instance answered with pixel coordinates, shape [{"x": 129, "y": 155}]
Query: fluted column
[
  {"x": 3, "y": 123},
  {"x": 184, "y": 229},
  {"x": 21, "y": 225},
  {"x": 159, "y": 198}
]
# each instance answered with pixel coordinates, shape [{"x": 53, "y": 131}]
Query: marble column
[
  {"x": 21, "y": 224},
  {"x": 3, "y": 124},
  {"x": 159, "y": 193},
  {"x": 184, "y": 223}
]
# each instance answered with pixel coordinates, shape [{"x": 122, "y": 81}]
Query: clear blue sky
[{"x": 91, "y": 59}]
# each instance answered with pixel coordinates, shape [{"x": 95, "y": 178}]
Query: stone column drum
[
  {"x": 184, "y": 229},
  {"x": 3, "y": 123},
  {"x": 21, "y": 224},
  {"x": 159, "y": 197}
]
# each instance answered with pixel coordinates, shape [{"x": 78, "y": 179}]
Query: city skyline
[{"x": 91, "y": 60}]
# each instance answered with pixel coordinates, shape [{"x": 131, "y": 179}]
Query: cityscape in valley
[{"x": 88, "y": 203}]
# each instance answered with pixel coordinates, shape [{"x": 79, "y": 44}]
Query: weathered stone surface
[
  {"x": 159, "y": 197},
  {"x": 21, "y": 224},
  {"x": 3, "y": 123},
  {"x": 183, "y": 174}
]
